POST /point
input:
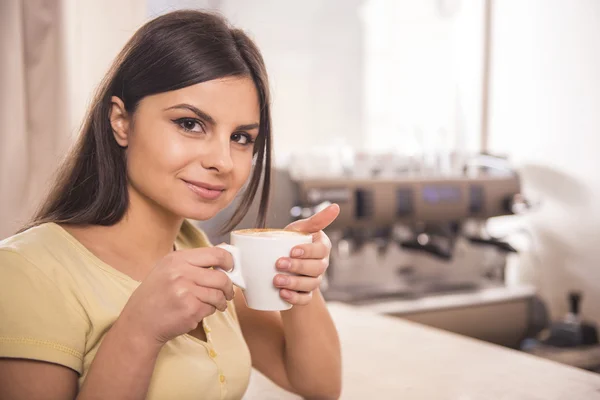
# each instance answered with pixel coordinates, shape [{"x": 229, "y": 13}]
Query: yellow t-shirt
[{"x": 57, "y": 301}]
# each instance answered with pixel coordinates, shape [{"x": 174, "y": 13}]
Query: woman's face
[{"x": 189, "y": 151}]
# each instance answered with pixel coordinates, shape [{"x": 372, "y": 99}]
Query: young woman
[{"x": 109, "y": 294}]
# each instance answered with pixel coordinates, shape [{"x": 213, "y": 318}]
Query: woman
[{"x": 109, "y": 293}]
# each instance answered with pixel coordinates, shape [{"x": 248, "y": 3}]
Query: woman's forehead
[{"x": 223, "y": 98}]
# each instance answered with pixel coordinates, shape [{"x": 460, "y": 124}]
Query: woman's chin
[
  {"x": 203, "y": 215},
  {"x": 199, "y": 212}
]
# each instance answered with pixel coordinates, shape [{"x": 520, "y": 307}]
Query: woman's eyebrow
[
  {"x": 201, "y": 114},
  {"x": 248, "y": 127}
]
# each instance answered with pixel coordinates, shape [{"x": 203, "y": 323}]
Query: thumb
[{"x": 317, "y": 222}]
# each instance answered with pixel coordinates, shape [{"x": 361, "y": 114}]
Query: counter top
[
  {"x": 439, "y": 302},
  {"x": 391, "y": 358}
]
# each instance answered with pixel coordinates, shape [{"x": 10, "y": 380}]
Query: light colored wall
[
  {"x": 423, "y": 74},
  {"x": 95, "y": 32},
  {"x": 545, "y": 113}
]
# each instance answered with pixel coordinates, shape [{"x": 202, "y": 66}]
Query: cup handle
[{"x": 236, "y": 273}]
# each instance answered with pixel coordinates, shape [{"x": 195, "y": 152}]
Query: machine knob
[
  {"x": 574, "y": 301},
  {"x": 516, "y": 204}
]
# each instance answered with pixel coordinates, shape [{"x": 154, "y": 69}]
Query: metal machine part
[
  {"x": 424, "y": 235},
  {"x": 377, "y": 202}
]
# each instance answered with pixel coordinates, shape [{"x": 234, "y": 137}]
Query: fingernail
[
  {"x": 284, "y": 263},
  {"x": 297, "y": 252},
  {"x": 285, "y": 294},
  {"x": 282, "y": 280}
]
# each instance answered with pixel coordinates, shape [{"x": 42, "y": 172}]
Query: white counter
[
  {"x": 389, "y": 358},
  {"x": 481, "y": 297}
]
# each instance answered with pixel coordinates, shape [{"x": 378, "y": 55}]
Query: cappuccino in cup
[
  {"x": 255, "y": 253},
  {"x": 273, "y": 233}
]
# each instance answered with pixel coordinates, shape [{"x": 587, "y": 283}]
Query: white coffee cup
[{"x": 255, "y": 253}]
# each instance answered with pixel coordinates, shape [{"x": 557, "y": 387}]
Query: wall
[
  {"x": 545, "y": 113},
  {"x": 95, "y": 32},
  {"x": 423, "y": 74}
]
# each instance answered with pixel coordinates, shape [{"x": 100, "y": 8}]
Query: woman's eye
[
  {"x": 242, "y": 138},
  {"x": 189, "y": 124}
]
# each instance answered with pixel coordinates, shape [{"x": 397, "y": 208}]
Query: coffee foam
[{"x": 273, "y": 233}]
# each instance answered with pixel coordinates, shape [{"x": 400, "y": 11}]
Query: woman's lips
[{"x": 205, "y": 191}]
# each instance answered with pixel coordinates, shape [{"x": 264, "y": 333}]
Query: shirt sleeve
[{"x": 37, "y": 320}]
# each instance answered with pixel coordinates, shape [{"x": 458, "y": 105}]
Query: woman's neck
[{"x": 136, "y": 243}]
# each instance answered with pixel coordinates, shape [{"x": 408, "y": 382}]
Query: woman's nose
[{"x": 218, "y": 155}]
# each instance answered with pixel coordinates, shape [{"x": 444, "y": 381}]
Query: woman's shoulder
[
  {"x": 37, "y": 248},
  {"x": 31, "y": 241},
  {"x": 191, "y": 237},
  {"x": 42, "y": 320}
]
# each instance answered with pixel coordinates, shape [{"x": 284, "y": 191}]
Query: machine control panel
[{"x": 365, "y": 202}]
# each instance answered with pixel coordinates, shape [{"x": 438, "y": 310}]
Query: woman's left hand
[{"x": 307, "y": 261}]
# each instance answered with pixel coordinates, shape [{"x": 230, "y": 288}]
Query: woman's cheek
[
  {"x": 176, "y": 153},
  {"x": 243, "y": 167}
]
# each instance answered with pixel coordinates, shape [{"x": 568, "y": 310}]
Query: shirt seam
[
  {"x": 31, "y": 263},
  {"x": 42, "y": 343}
]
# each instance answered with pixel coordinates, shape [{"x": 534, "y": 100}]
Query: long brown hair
[{"x": 173, "y": 51}]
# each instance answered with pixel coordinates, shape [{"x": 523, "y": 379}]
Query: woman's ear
[{"x": 119, "y": 120}]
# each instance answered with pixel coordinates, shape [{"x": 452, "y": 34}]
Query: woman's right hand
[{"x": 178, "y": 293}]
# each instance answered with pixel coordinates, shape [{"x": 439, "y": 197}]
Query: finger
[
  {"x": 295, "y": 298},
  {"x": 308, "y": 251},
  {"x": 207, "y": 257},
  {"x": 321, "y": 237},
  {"x": 297, "y": 283},
  {"x": 317, "y": 222},
  {"x": 212, "y": 297},
  {"x": 210, "y": 278},
  {"x": 201, "y": 314},
  {"x": 312, "y": 268}
]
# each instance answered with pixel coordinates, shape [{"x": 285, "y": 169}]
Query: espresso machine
[
  {"x": 412, "y": 236},
  {"x": 415, "y": 246}
]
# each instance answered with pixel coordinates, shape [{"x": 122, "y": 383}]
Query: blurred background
[{"x": 460, "y": 138}]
